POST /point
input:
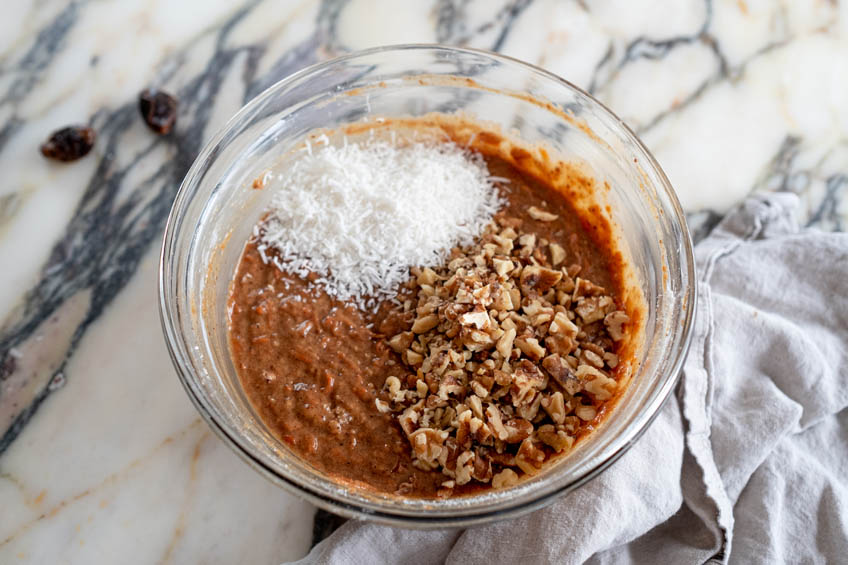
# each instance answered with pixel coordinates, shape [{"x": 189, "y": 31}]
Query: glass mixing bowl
[{"x": 216, "y": 209}]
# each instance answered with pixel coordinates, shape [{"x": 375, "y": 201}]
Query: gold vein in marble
[{"x": 109, "y": 480}]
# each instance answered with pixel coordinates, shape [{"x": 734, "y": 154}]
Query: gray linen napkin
[{"x": 748, "y": 463}]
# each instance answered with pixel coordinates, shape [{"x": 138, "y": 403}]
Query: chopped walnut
[
  {"x": 541, "y": 215},
  {"x": 503, "y": 266},
  {"x": 446, "y": 490},
  {"x": 530, "y": 347},
  {"x": 427, "y": 444},
  {"x": 557, "y": 254},
  {"x": 414, "y": 358},
  {"x": 530, "y": 456},
  {"x": 558, "y": 440},
  {"x": 554, "y": 405},
  {"x": 478, "y": 319},
  {"x": 508, "y": 357},
  {"x": 614, "y": 322},
  {"x": 517, "y": 430},
  {"x": 562, "y": 373},
  {"x": 505, "y": 479},
  {"x": 482, "y": 469},
  {"x": 591, "y": 309},
  {"x": 586, "y": 413},
  {"x": 401, "y": 342},
  {"x": 493, "y": 416},
  {"x": 592, "y": 358},
  {"x": 409, "y": 418},
  {"x": 539, "y": 279},
  {"x": 464, "y": 467},
  {"x": 425, "y": 323},
  {"x": 596, "y": 383},
  {"x": 504, "y": 346},
  {"x": 563, "y": 326}
]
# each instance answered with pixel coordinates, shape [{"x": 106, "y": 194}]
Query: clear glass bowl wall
[{"x": 216, "y": 209}]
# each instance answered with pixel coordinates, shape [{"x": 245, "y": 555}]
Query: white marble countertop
[{"x": 102, "y": 457}]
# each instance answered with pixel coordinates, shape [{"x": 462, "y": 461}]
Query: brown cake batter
[{"x": 312, "y": 366}]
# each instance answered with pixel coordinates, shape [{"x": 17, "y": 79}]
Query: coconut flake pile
[{"x": 359, "y": 216}]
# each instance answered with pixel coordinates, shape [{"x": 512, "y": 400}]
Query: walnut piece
[
  {"x": 541, "y": 215},
  {"x": 425, "y": 323},
  {"x": 614, "y": 321},
  {"x": 539, "y": 279},
  {"x": 505, "y": 478},
  {"x": 557, "y": 254}
]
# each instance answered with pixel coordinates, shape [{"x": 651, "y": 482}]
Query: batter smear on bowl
[{"x": 429, "y": 318}]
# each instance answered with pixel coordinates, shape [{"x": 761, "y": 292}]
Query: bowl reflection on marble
[{"x": 215, "y": 211}]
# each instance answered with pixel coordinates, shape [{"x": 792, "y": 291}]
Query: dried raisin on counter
[
  {"x": 159, "y": 110},
  {"x": 69, "y": 143}
]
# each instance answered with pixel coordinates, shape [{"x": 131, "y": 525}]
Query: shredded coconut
[{"x": 359, "y": 216}]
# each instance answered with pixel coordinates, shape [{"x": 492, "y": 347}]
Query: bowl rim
[{"x": 413, "y": 518}]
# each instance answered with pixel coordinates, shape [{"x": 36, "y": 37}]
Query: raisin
[
  {"x": 69, "y": 144},
  {"x": 159, "y": 110}
]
